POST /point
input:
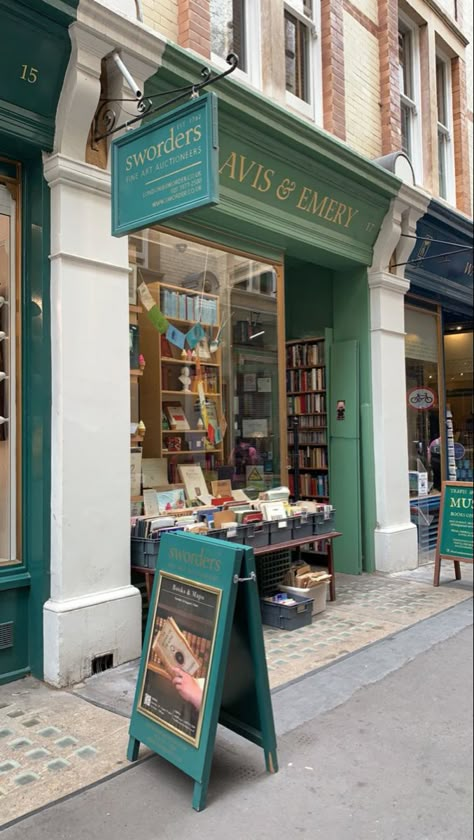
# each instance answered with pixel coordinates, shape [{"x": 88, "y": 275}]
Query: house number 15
[{"x": 29, "y": 74}]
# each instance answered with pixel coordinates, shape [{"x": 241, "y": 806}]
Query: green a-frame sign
[{"x": 203, "y": 659}]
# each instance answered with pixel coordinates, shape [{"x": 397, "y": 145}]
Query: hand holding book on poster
[
  {"x": 174, "y": 651},
  {"x": 189, "y": 688}
]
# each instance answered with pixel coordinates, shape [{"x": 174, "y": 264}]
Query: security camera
[{"x": 127, "y": 76}]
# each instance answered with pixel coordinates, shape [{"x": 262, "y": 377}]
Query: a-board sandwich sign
[
  {"x": 166, "y": 167},
  {"x": 455, "y": 532},
  {"x": 199, "y": 622}
]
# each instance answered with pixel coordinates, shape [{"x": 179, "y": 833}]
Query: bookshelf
[
  {"x": 307, "y": 419},
  {"x": 170, "y": 406}
]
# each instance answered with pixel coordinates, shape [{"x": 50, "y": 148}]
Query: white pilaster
[
  {"x": 93, "y": 609},
  {"x": 395, "y": 536}
]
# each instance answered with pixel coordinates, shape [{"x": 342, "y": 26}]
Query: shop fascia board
[
  {"x": 312, "y": 166},
  {"x": 267, "y": 236},
  {"x": 445, "y": 215},
  {"x": 62, "y": 12},
  {"x": 326, "y": 241},
  {"x": 249, "y": 107},
  {"x": 26, "y": 126}
]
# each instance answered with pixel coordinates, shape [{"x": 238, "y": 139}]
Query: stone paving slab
[
  {"x": 52, "y": 743},
  {"x": 368, "y": 608}
]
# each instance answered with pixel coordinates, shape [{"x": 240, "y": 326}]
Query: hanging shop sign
[
  {"x": 455, "y": 534},
  {"x": 203, "y": 659},
  {"x": 167, "y": 167},
  {"x": 421, "y": 399}
]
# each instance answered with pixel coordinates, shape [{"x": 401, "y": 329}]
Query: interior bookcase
[
  {"x": 164, "y": 397},
  {"x": 306, "y": 389}
]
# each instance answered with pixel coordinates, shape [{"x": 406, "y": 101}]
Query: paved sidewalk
[
  {"x": 368, "y": 748},
  {"x": 53, "y": 743}
]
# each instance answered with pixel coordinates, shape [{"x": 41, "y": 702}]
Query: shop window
[
  {"x": 205, "y": 355},
  {"x": 301, "y": 55},
  {"x": 458, "y": 350},
  {"x": 423, "y": 418},
  {"x": 425, "y": 443},
  {"x": 410, "y": 93},
  {"x": 445, "y": 140},
  {"x": 235, "y": 28},
  {"x": 8, "y": 378}
]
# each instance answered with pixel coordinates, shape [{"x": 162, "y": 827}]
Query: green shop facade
[
  {"x": 34, "y": 52},
  {"x": 295, "y": 198}
]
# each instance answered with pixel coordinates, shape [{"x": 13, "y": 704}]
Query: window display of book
[
  {"x": 181, "y": 390},
  {"x": 307, "y": 419}
]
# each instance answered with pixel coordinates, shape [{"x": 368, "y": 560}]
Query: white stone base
[
  {"x": 78, "y": 630},
  {"x": 396, "y": 548}
]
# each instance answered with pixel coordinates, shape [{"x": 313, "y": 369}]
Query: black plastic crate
[
  {"x": 303, "y": 526},
  {"x": 235, "y": 534},
  {"x": 258, "y": 534},
  {"x": 285, "y": 617},
  {"x": 324, "y": 526},
  {"x": 144, "y": 552},
  {"x": 281, "y": 530},
  {"x": 271, "y": 569}
]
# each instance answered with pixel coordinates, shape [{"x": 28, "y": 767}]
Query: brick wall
[
  {"x": 162, "y": 16},
  {"x": 332, "y": 48},
  {"x": 461, "y": 137},
  {"x": 389, "y": 78},
  {"x": 194, "y": 26},
  {"x": 362, "y": 84}
]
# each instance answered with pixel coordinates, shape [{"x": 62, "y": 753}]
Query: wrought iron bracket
[{"x": 105, "y": 121}]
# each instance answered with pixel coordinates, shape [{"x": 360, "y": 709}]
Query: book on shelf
[
  {"x": 305, "y": 353},
  {"x": 135, "y": 471},
  {"x": 154, "y": 472},
  {"x": 306, "y": 404},
  {"x": 194, "y": 482},
  {"x": 311, "y": 379},
  {"x": 306, "y": 383},
  {"x": 176, "y": 417},
  {"x": 189, "y": 307}
]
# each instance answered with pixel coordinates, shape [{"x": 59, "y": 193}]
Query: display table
[{"x": 149, "y": 574}]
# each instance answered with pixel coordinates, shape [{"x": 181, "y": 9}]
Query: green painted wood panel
[{"x": 345, "y": 455}]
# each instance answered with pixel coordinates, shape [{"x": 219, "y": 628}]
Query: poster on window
[{"x": 179, "y": 658}]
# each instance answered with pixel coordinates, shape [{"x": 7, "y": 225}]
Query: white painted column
[
  {"x": 395, "y": 535},
  {"x": 92, "y": 609}
]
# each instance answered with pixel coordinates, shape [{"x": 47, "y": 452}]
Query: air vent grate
[
  {"x": 6, "y": 635},
  {"x": 102, "y": 663}
]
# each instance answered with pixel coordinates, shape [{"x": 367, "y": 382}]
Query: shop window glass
[
  {"x": 208, "y": 395},
  {"x": 445, "y": 144},
  {"x": 8, "y": 547},
  {"x": 423, "y": 419},
  {"x": 410, "y": 91},
  {"x": 228, "y": 29},
  {"x": 458, "y": 348}
]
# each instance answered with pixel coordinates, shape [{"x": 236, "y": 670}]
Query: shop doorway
[{"x": 331, "y": 308}]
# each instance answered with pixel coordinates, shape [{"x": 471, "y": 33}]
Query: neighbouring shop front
[
  {"x": 280, "y": 265},
  {"x": 33, "y": 56},
  {"x": 439, "y": 366}
]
